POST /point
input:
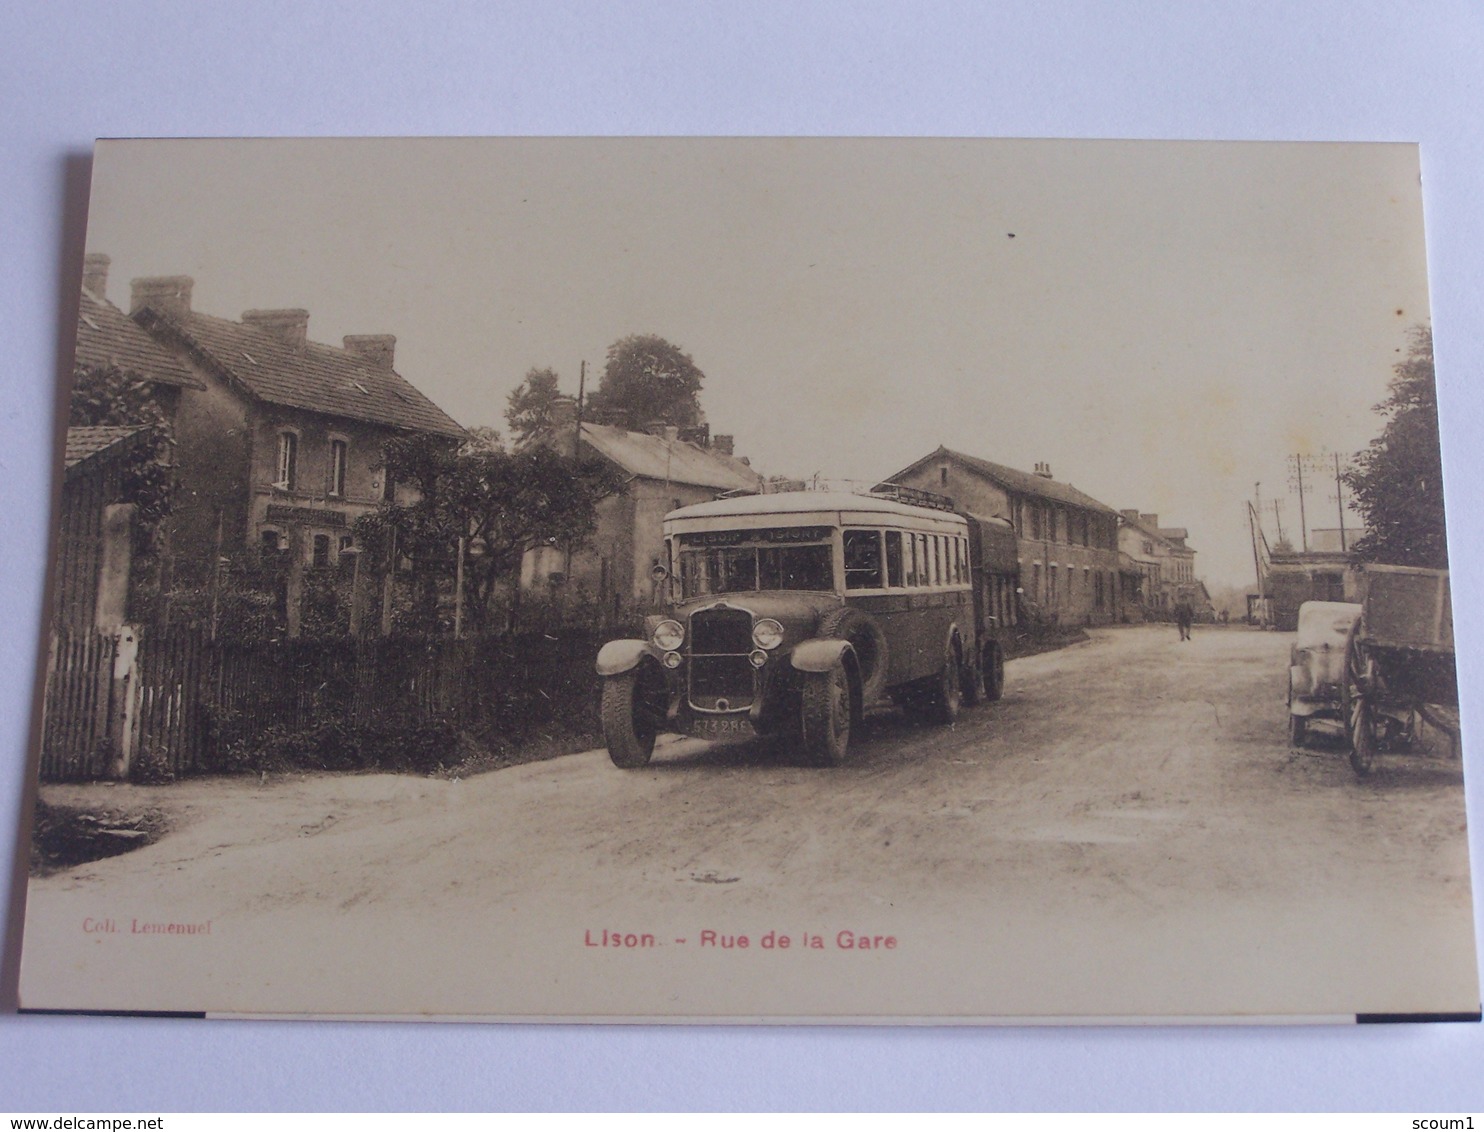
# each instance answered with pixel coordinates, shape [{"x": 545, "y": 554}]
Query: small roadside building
[
  {"x": 661, "y": 473},
  {"x": 1322, "y": 572},
  {"x": 1067, "y": 541},
  {"x": 95, "y": 528}
]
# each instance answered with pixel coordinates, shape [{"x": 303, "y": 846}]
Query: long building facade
[{"x": 1067, "y": 541}]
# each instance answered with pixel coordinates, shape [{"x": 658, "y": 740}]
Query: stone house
[
  {"x": 279, "y": 446},
  {"x": 1067, "y": 541},
  {"x": 1164, "y": 562},
  {"x": 661, "y": 472}
]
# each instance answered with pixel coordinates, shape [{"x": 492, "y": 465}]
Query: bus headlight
[
  {"x": 767, "y": 634},
  {"x": 668, "y": 636},
  {"x": 758, "y": 658},
  {"x": 672, "y": 660}
]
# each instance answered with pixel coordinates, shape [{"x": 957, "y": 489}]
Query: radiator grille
[
  {"x": 720, "y": 631},
  {"x": 720, "y": 640}
]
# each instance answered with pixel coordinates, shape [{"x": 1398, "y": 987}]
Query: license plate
[{"x": 706, "y": 728}]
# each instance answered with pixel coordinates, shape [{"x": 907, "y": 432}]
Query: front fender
[
  {"x": 819, "y": 655},
  {"x": 617, "y": 657}
]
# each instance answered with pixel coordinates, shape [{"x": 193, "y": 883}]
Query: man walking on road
[{"x": 1184, "y": 615}]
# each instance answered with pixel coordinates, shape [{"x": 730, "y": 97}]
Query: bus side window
[
  {"x": 863, "y": 560},
  {"x": 894, "y": 576},
  {"x": 911, "y": 560}
]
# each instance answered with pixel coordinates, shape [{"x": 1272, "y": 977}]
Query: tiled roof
[
  {"x": 641, "y": 454},
  {"x": 313, "y": 376},
  {"x": 86, "y": 441},
  {"x": 106, "y": 336},
  {"x": 1014, "y": 479}
]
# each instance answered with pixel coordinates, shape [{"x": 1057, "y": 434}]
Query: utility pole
[
  {"x": 1256, "y": 561},
  {"x": 576, "y": 447},
  {"x": 1298, "y": 468},
  {"x": 581, "y": 397},
  {"x": 1278, "y": 517},
  {"x": 1340, "y": 499},
  {"x": 388, "y": 584},
  {"x": 458, "y": 593}
]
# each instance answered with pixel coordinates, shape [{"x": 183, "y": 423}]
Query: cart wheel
[{"x": 1360, "y": 711}]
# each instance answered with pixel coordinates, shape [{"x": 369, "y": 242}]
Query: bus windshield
[{"x": 757, "y": 565}]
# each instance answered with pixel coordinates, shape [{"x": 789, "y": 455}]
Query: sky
[{"x": 1164, "y": 323}]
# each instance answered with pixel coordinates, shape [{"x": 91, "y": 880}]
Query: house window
[
  {"x": 321, "y": 550},
  {"x": 270, "y": 541},
  {"x": 335, "y": 480},
  {"x": 943, "y": 476},
  {"x": 346, "y": 543},
  {"x": 288, "y": 461}
]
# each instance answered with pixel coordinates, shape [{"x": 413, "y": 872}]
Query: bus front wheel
[
  {"x": 825, "y": 716},
  {"x": 631, "y": 717}
]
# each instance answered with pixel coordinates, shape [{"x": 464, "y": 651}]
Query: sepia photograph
[{"x": 754, "y": 580}]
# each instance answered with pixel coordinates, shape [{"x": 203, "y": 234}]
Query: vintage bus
[{"x": 787, "y": 614}]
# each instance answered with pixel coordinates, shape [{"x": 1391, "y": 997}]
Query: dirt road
[{"x": 1126, "y": 833}]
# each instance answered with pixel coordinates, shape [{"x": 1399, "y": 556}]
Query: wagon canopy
[{"x": 995, "y": 544}]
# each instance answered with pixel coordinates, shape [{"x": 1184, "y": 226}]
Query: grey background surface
[{"x": 1325, "y": 71}]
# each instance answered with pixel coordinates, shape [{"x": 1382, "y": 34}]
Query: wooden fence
[{"x": 176, "y": 700}]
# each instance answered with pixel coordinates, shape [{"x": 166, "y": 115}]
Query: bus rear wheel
[
  {"x": 946, "y": 698},
  {"x": 992, "y": 663}
]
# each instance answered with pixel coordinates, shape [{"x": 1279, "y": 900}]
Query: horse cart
[{"x": 1399, "y": 663}]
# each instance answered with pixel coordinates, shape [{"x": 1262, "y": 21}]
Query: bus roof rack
[{"x": 914, "y": 496}]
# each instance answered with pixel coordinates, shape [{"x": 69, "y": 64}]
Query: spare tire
[{"x": 869, "y": 643}]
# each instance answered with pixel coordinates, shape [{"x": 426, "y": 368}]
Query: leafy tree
[
  {"x": 1398, "y": 480},
  {"x": 503, "y": 503},
  {"x": 647, "y": 379},
  {"x": 529, "y": 408},
  {"x": 482, "y": 438}
]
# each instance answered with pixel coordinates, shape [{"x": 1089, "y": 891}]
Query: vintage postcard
[{"x": 770, "y": 579}]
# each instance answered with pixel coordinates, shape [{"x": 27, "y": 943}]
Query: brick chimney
[
  {"x": 1130, "y": 513},
  {"x": 289, "y": 325},
  {"x": 167, "y": 294},
  {"x": 95, "y": 273},
  {"x": 1043, "y": 470},
  {"x": 1150, "y": 521},
  {"x": 564, "y": 425},
  {"x": 723, "y": 443},
  {"x": 378, "y": 349}
]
